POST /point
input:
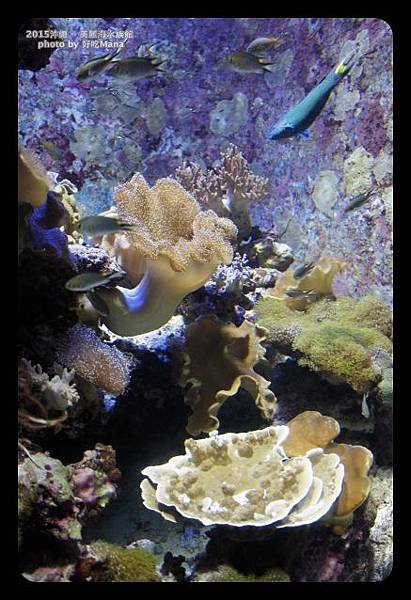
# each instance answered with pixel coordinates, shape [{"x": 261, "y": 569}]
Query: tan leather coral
[
  {"x": 243, "y": 479},
  {"x": 180, "y": 246},
  {"x": 318, "y": 281},
  {"x": 33, "y": 180},
  {"x": 357, "y": 461},
  {"x": 218, "y": 360},
  {"x": 308, "y": 430}
]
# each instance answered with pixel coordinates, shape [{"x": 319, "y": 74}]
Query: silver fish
[
  {"x": 99, "y": 225},
  {"x": 262, "y": 44},
  {"x": 135, "y": 67},
  {"x": 359, "y": 200},
  {"x": 88, "y": 281},
  {"x": 299, "y": 294},
  {"x": 98, "y": 303},
  {"x": 245, "y": 62},
  {"x": 95, "y": 66}
]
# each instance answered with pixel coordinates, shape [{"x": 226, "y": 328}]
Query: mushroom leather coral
[
  {"x": 251, "y": 478},
  {"x": 181, "y": 247},
  {"x": 319, "y": 279},
  {"x": 218, "y": 360},
  {"x": 244, "y": 479},
  {"x": 310, "y": 429},
  {"x": 33, "y": 180}
]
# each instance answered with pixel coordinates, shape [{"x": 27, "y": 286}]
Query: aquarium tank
[{"x": 205, "y": 365}]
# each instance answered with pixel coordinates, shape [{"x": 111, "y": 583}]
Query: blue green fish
[{"x": 301, "y": 116}]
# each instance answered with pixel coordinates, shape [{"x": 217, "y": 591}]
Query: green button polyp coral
[
  {"x": 341, "y": 339},
  {"x": 176, "y": 247},
  {"x": 244, "y": 479}
]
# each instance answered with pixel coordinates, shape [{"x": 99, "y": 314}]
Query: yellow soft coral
[
  {"x": 309, "y": 430},
  {"x": 173, "y": 250},
  {"x": 33, "y": 180},
  {"x": 218, "y": 360},
  {"x": 318, "y": 280}
]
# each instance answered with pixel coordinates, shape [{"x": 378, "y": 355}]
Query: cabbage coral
[
  {"x": 218, "y": 359},
  {"x": 33, "y": 179},
  {"x": 176, "y": 248}
]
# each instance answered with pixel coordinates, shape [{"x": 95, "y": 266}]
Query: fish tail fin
[
  {"x": 127, "y": 226},
  {"x": 115, "y": 56},
  {"x": 159, "y": 65},
  {"x": 345, "y": 65},
  {"x": 270, "y": 67}
]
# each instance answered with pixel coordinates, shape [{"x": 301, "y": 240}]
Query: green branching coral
[
  {"x": 125, "y": 564},
  {"x": 340, "y": 338}
]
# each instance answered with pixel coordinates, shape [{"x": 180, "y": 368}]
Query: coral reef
[
  {"x": 175, "y": 247},
  {"x": 359, "y": 114},
  {"x": 110, "y": 381},
  {"x": 217, "y": 360},
  {"x": 339, "y": 338}
]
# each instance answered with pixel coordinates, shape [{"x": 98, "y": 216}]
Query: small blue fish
[{"x": 301, "y": 116}]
